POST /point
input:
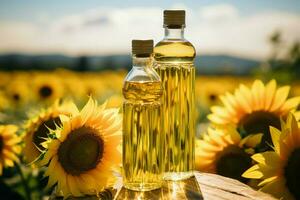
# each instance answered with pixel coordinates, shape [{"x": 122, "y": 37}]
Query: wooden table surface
[{"x": 202, "y": 186}]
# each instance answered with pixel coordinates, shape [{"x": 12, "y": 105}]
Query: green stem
[{"x": 24, "y": 182}]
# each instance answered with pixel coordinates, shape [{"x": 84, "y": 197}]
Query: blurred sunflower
[
  {"x": 47, "y": 88},
  {"x": 5, "y": 79},
  {"x": 296, "y": 89},
  {"x": 37, "y": 128},
  {"x": 208, "y": 89},
  {"x": 279, "y": 169},
  {"x": 113, "y": 81},
  {"x": 74, "y": 88},
  {"x": 9, "y": 146},
  {"x": 4, "y": 102},
  {"x": 254, "y": 109},
  {"x": 207, "y": 93},
  {"x": 85, "y": 150},
  {"x": 17, "y": 92},
  {"x": 224, "y": 152},
  {"x": 94, "y": 87}
]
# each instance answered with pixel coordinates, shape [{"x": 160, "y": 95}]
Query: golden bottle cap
[
  {"x": 142, "y": 47},
  {"x": 174, "y": 18}
]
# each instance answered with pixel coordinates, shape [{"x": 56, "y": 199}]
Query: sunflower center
[
  {"x": 212, "y": 97},
  {"x": 81, "y": 151},
  {"x": 259, "y": 122},
  {"x": 16, "y": 97},
  {"x": 232, "y": 162},
  {"x": 45, "y": 91},
  {"x": 43, "y": 130},
  {"x": 292, "y": 173}
]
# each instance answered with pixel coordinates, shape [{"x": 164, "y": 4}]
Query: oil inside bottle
[
  {"x": 174, "y": 63},
  {"x": 142, "y": 138}
]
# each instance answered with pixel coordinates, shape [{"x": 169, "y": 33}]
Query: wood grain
[
  {"x": 202, "y": 186},
  {"x": 216, "y": 187}
]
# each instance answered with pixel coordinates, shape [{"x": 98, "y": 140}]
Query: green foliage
[{"x": 283, "y": 63}]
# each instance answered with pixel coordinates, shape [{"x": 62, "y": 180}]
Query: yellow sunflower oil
[
  {"x": 174, "y": 58},
  {"x": 142, "y": 138}
]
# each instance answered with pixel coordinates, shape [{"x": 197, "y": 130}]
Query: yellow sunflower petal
[
  {"x": 208, "y": 147},
  {"x": 275, "y": 135},
  {"x": 228, "y": 105},
  {"x": 8, "y": 162},
  {"x": 290, "y": 104},
  {"x": 86, "y": 111},
  {"x": 10, "y": 155},
  {"x": 267, "y": 180},
  {"x": 220, "y": 111},
  {"x": 280, "y": 97},
  {"x": 269, "y": 94},
  {"x": 85, "y": 187},
  {"x": 253, "y": 172},
  {"x": 257, "y": 94},
  {"x": 216, "y": 137},
  {"x": 52, "y": 179},
  {"x": 216, "y": 119},
  {"x": 73, "y": 187},
  {"x": 91, "y": 181},
  {"x": 253, "y": 140},
  {"x": 243, "y": 101},
  {"x": 268, "y": 158}
]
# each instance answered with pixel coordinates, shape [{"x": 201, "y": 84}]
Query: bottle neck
[
  {"x": 141, "y": 61},
  {"x": 174, "y": 33}
]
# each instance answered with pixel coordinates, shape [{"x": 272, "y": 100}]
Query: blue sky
[
  {"x": 235, "y": 27},
  {"x": 33, "y": 9}
]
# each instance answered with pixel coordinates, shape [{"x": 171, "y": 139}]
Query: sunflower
[
  {"x": 4, "y": 102},
  {"x": 37, "y": 128},
  {"x": 9, "y": 146},
  {"x": 17, "y": 92},
  {"x": 224, "y": 152},
  {"x": 296, "y": 89},
  {"x": 47, "y": 88},
  {"x": 74, "y": 88},
  {"x": 278, "y": 170},
  {"x": 208, "y": 89},
  {"x": 254, "y": 109},
  {"x": 82, "y": 157},
  {"x": 93, "y": 86},
  {"x": 5, "y": 78}
]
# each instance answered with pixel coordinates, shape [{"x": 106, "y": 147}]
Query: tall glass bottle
[
  {"x": 174, "y": 57},
  {"x": 142, "y": 138}
]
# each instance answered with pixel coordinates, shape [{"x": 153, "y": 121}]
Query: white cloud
[
  {"x": 218, "y": 13},
  {"x": 213, "y": 29}
]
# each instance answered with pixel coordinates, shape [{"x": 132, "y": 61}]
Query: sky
[{"x": 93, "y": 27}]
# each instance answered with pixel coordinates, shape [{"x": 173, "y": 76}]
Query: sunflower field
[{"x": 61, "y": 130}]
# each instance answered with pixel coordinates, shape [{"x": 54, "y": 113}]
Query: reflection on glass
[{"x": 181, "y": 190}]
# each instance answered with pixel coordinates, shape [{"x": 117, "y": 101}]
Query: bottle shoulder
[
  {"x": 142, "y": 74},
  {"x": 142, "y": 84},
  {"x": 174, "y": 49},
  {"x": 183, "y": 41}
]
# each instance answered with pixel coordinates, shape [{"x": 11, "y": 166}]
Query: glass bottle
[
  {"x": 174, "y": 57},
  {"x": 142, "y": 138}
]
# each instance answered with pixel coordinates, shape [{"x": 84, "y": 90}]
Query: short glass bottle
[{"x": 142, "y": 138}]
